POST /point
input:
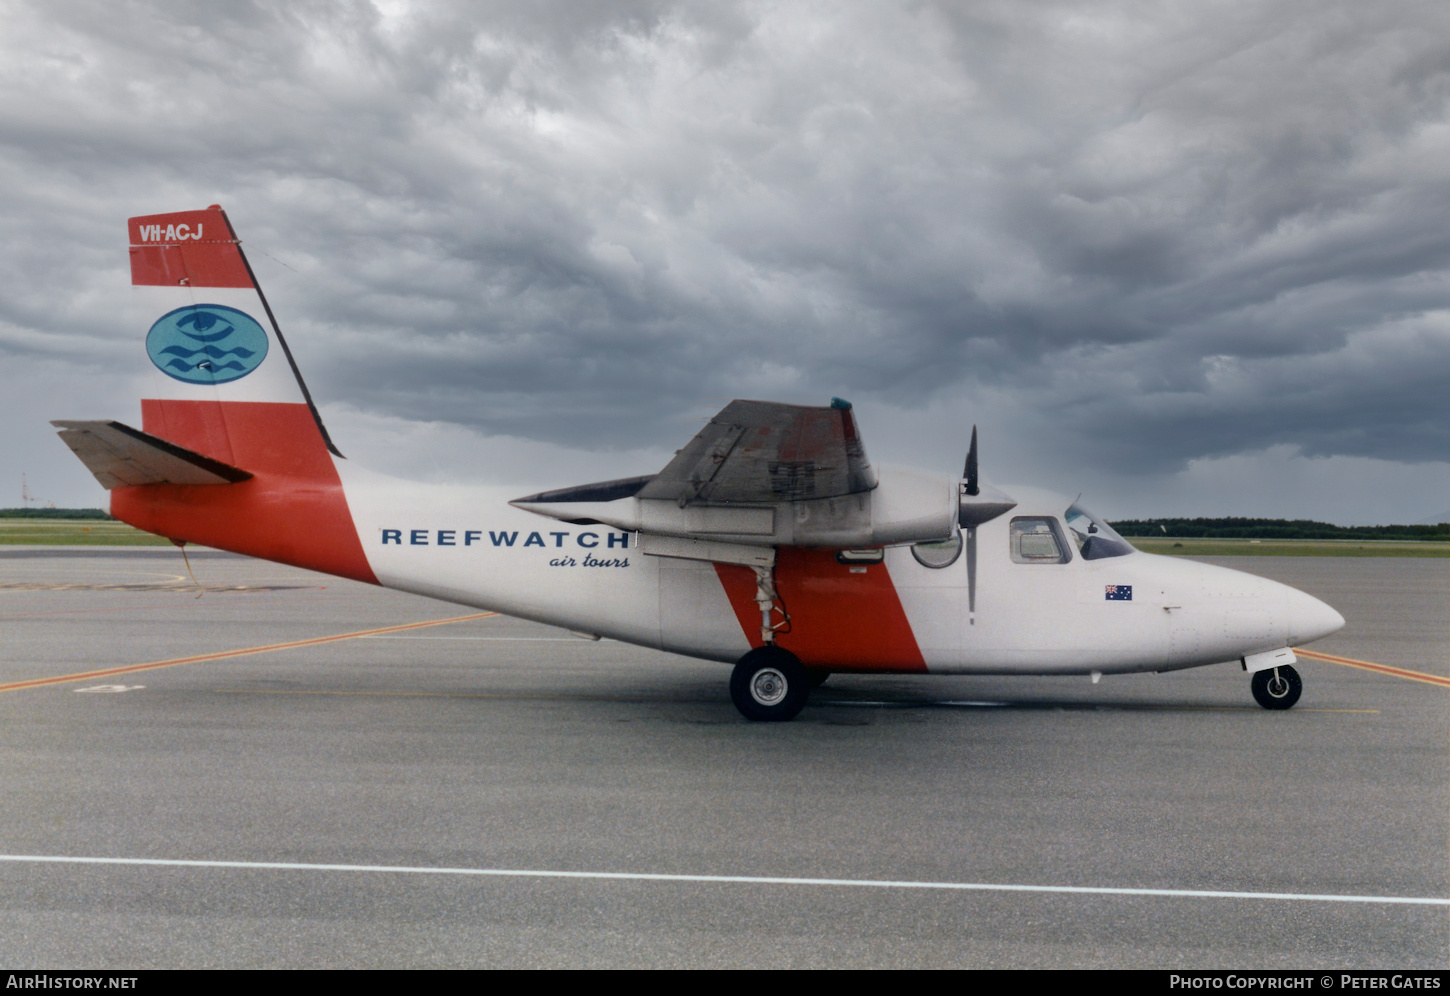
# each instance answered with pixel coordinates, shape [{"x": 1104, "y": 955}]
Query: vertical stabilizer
[
  {"x": 225, "y": 386},
  {"x": 212, "y": 331}
]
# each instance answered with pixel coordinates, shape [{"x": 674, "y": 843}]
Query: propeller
[
  {"x": 977, "y": 504},
  {"x": 969, "y": 475}
]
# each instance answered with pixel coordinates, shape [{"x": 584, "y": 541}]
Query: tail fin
[
  {"x": 249, "y": 466},
  {"x": 208, "y": 342}
]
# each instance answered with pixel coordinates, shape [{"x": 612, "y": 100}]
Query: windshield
[{"x": 1095, "y": 539}]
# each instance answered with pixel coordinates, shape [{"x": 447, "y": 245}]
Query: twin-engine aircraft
[{"x": 770, "y": 541}]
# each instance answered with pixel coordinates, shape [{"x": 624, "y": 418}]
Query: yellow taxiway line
[
  {"x": 15, "y": 686},
  {"x": 63, "y": 679},
  {"x": 1398, "y": 672}
]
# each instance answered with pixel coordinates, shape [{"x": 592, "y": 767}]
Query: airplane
[{"x": 769, "y": 542}]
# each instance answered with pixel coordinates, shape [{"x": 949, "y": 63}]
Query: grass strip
[
  {"x": 61, "y": 532},
  {"x": 1181, "y": 547}
]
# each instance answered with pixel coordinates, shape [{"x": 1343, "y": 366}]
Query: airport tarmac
[{"x": 290, "y": 778}]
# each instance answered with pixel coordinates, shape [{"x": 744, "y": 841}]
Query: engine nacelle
[{"x": 906, "y": 506}]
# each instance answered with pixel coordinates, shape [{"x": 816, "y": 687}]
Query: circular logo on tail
[{"x": 206, "y": 344}]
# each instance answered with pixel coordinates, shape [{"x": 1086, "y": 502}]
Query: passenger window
[{"x": 1038, "y": 540}]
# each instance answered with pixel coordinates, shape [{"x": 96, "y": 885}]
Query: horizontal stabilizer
[{"x": 123, "y": 457}]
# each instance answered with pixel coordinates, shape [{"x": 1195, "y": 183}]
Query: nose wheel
[
  {"x": 769, "y": 685},
  {"x": 1277, "y": 687}
]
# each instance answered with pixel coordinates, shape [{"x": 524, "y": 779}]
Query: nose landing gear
[{"x": 1277, "y": 687}]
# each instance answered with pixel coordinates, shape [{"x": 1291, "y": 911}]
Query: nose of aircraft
[{"x": 1310, "y": 619}]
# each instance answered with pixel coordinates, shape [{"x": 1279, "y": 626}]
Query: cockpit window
[
  {"x": 1038, "y": 540},
  {"x": 1095, "y": 539}
]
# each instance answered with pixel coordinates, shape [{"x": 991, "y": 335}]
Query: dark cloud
[{"x": 1128, "y": 235}]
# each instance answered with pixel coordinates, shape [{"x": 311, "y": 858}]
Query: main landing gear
[
  {"x": 770, "y": 684},
  {"x": 1277, "y": 687}
]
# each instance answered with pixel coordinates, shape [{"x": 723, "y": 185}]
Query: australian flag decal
[{"x": 1118, "y": 593}]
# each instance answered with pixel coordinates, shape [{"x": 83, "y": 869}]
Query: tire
[
  {"x": 1277, "y": 687},
  {"x": 769, "y": 685}
]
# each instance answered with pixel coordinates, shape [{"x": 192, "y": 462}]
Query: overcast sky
[{"x": 1186, "y": 258}]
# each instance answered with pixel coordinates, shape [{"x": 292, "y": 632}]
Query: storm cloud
[{"x": 1131, "y": 240}]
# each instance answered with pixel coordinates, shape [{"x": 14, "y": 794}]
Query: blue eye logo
[{"x": 206, "y": 344}]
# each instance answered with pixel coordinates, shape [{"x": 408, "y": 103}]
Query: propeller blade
[
  {"x": 971, "y": 486},
  {"x": 979, "y": 504},
  {"x": 970, "y": 473},
  {"x": 975, "y": 508},
  {"x": 972, "y": 575}
]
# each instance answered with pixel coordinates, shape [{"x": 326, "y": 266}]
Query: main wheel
[
  {"x": 769, "y": 685},
  {"x": 1277, "y": 687}
]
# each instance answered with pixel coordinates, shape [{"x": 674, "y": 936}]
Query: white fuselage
[{"x": 468, "y": 545}]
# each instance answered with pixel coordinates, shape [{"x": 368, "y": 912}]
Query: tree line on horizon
[
  {"x": 1200, "y": 528},
  {"x": 1242, "y": 528},
  {"x": 55, "y": 513}
]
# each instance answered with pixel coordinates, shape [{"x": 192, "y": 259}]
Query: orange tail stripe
[
  {"x": 64, "y": 679},
  {"x": 293, "y": 510},
  {"x": 1398, "y": 672}
]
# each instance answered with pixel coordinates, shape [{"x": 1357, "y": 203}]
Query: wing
[
  {"x": 762, "y": 452},
  {"x": 764, "y": 475}
]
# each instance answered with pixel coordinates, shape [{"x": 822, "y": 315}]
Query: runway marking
[
  {"x": 824, "y": 703},
  {"x": 1063, "y": 706},
  {"x": 133, "y": 608},
  {"x": 488, "y": 639},
  {"x": 1398, "y": 672},
  {"x": 182, "y": 587},
  {"x": 443, "y": 695},
  {"x": 505, "y": 696},
  {"x": 64, "y": 679},
  {"x": 72, "y": 612},
  {"x": 860, "y": 883}
]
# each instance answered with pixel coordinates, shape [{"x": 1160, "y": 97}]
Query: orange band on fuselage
[{"x": 839, "y": 620}]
